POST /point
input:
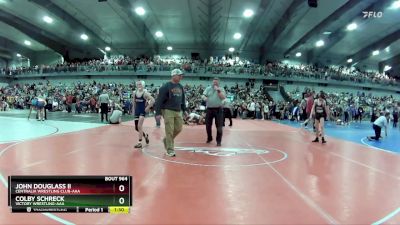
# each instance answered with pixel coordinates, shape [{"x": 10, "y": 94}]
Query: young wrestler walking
[
  {"x": 320, "y": 112},
  {"x": 142, "y": 102}
]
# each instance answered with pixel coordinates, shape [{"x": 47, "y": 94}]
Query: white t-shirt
[
  {"x": 252, "y": 106},
  {"x": 381, "y": 121},
  {"x": 266, "y": 108},
  {"x": 114, "y": 118}
]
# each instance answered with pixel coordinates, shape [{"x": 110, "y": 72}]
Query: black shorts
[{"x": 318, "y": 116}]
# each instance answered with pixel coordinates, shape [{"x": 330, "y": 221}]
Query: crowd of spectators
[
  {"x": 213, "y": 65},
  {"x": 245, "y": 100},
  {"x": 347, "y": 106}
]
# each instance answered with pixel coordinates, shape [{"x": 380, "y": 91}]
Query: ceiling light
[
  {"x": 84, "y": 37},
  {"x": 26, "y": 42},
  {"x": 169, "y": 48},
  {"x": 140, "y": 11},
  {"x": 327, "y": 33},
  {"x": 107, "y": 49},
  {"x": 387, "y": 67},
  {"x": 350, "y": 60},
  {"x": 159, "y": 34},
  {"x": 396, "y": 4},
  {"x": 298, "y": 54},
  {"x": 231, "y": 49},
  {"x": 387, "y": 49},
  {"x": 47, "y": 19},
  {"x": 18, "y": 55},
  {"x": 248, "y": 13},
  {"x": 237, "y": 36},
  {"x": 376, "y": 52},
  {"x": 352, "y": 26},
  {"x": 319, "y": 43}
]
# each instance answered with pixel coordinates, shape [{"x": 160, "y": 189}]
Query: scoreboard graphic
[{"x": 70, "y": 194}]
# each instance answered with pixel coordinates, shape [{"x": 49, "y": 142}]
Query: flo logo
[
  {"x": 372, "y": 14},
  {"x": 222, "y": 152}
]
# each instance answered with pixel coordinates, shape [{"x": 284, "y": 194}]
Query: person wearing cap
[
  {"x": 214, "y": 96},
  {"x": 381, "y": 122},
  {"x": 171, "y": 105},
  {"x": 320, "y": 112}
]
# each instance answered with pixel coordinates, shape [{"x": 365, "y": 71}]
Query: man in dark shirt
[
  {"x": 360, "y": 113},
  {"x": 170, "y": 104}
]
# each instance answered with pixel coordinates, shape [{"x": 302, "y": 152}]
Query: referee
[
  {"x": 214, "y": 96},
  {"x": 104, "y": 99}
]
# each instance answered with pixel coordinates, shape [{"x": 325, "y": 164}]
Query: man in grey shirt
[
  {"x": 214, "y": 95},
  {"x": 104, "y": 100}
]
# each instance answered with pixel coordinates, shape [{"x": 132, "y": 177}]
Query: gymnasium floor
[
  {"x": 265, "y": 172},
  {"x": 358, "y": 132}
]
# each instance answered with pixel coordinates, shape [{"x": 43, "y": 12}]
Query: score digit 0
[
  {"x": 121, "y": 200},
  {"x": 121, "y": 188}
]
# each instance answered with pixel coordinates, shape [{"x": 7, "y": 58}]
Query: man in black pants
[
  {"x": 380, "y": 123},
  {"x": 213, "y": 95},
  {"x": 104, "y": 100}
]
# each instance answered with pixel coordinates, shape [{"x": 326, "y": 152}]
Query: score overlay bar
[{"x": 87, "y": 194}]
